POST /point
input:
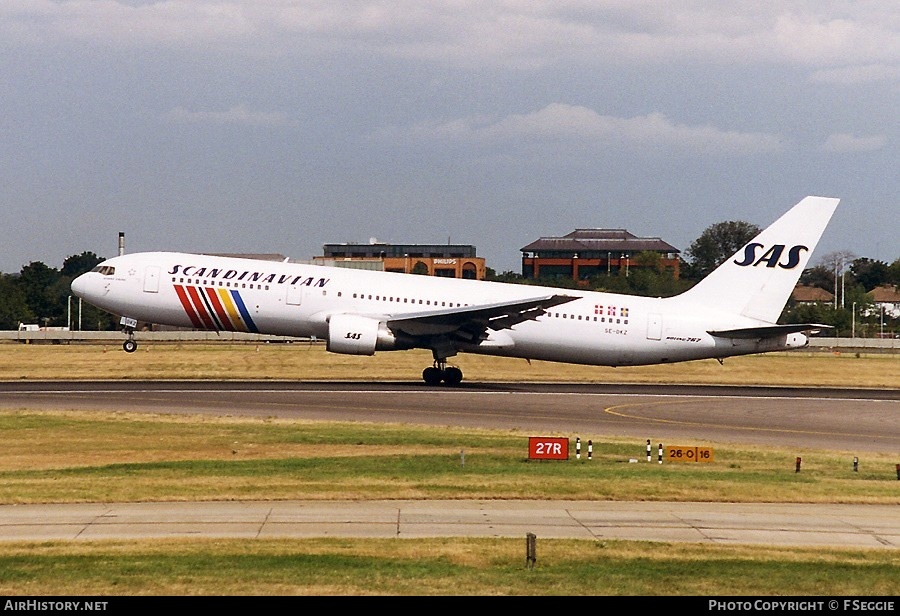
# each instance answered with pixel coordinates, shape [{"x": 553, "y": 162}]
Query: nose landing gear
[{"x": 128, "y": 325}]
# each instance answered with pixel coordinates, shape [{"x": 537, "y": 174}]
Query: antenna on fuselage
[{"x": 121, "y": 243}]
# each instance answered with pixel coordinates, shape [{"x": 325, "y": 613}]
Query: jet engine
[{"x": 352, "y": 334}]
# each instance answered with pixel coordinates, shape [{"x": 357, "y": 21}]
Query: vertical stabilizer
[{"x": 757, "y": 281}]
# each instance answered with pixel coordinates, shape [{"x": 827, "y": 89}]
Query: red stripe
[
  {"x": 186, "y": 304},
  {"x": 201, "y": 309},
  {"x": 219, "y": 308}
]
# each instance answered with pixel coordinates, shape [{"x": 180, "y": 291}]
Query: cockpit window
[{"x": 106, "y": 270}]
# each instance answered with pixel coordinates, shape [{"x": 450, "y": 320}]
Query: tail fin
[{"x": 757, "y": 281}]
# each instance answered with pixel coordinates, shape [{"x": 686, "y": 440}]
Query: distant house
[
  {"x": 593, "y": 252},
  {"x": 887, "y": 299},
  {"x": 443, "y": 260},
  {"x": 804, "y": 294}
]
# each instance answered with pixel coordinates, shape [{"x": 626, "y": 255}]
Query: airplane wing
[
  {"x": 472, "y": 322},
  {"x": 768, "y": 331}
]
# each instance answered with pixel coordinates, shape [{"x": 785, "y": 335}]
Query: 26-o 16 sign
[
  {"x": 674, "y": 453},
  {"x": 548, "y": 448}
]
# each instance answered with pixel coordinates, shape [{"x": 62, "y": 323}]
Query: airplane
[{"x": 733, "y": 311}]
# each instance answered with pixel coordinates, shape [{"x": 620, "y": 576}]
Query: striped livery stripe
[
  {"x": 215, "y": 309},
  {"x": 188, "y": 308},
  {"x": 200, "y": 307},
  {"x": 251, "y": 326},
  {"x": 230, "y": 310},
  {"x": 218, "y": 311}
]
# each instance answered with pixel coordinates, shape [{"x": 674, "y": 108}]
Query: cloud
[
  {"x": 238, "y": 114},
  {"x": 577, "y": 124},
  {"x": 811, "y": 38},
  {"x": 838, "y": 143},
  {"x": 175, "y": 23},
  {"x": 524, "y": 35},
  {"x": 854, "y": 75}
]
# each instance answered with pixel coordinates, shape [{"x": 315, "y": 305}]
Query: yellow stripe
[{"x": 233, "y": 314}]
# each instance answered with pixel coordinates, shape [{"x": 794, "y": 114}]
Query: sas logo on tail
[{"x": 772, "y": 256}]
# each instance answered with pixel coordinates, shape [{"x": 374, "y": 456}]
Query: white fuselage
[{"x": 288, "y": 299}]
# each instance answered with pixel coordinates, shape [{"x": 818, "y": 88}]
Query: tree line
[{"x": 41, "y": 294}]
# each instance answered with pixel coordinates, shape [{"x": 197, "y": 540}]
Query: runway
[{"x": 855, "y": 421}]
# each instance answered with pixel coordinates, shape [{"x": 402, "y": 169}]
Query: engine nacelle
[{"x": 352, "y": 334}]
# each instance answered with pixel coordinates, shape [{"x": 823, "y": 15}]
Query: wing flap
[{"x": 473, "y": 321}]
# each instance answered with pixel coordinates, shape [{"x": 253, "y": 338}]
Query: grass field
[
  {"x": 119, "y": 457},
  {"x": 100, "y": 457},
  {"x": 303, "y": 361}
]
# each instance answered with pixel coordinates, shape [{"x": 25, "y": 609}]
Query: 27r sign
[{"x": 548, "y": 448}]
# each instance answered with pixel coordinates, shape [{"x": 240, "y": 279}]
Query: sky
[{"x": 278, "y": 126}]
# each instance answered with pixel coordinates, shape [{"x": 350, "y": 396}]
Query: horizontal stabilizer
[{"x": 768, "y": 331}]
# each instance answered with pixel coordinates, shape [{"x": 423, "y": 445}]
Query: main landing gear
[{"x": 451, "y": 375}]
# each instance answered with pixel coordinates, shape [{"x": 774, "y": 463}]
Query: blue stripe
[{"x": 244, "y": 313}]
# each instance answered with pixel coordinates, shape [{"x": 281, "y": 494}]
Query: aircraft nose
[{"x": 79, "y": 286}]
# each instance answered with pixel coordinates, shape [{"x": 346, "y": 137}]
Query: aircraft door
[
  {"x": 151, "y": 279},
  {"x": 654, "y": 327},
  {"x": 294, "y": 295}
]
